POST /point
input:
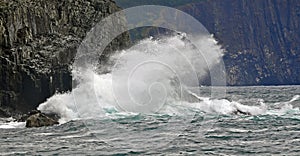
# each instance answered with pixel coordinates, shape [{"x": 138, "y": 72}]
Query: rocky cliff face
[
  {"x": 261, "y": 37},
  {"x": 38, "y": 41}
]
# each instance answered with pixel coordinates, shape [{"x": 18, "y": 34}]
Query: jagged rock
[
  {"x": 38, "y": 119},
  {"x": 38, "y": 40}
]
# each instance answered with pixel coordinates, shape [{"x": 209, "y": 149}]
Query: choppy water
[{"x": 273, "y": 132}]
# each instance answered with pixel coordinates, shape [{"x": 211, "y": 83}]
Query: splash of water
[
  {"x": 150, "y": 77},
  {"x": 144, "y": 78}
]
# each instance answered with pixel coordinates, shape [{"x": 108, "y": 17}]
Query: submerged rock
[
  {"x": 240, "y": 112},
  {"x": 38, "y": 119}
]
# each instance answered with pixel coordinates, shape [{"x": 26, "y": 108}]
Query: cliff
[
  {"x": 38, "y": 43},
  {"x": 261, "y": 37},
  {"x": 39, "y": 39}
]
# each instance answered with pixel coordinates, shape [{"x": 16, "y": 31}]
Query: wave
[
  {"x": 11, "y": 124},
  {"x": 151, "y": 77}
]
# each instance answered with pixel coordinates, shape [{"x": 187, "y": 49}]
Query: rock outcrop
[
  {"x": 38, "y": 41},
  {"x": 38, "y": 119}
]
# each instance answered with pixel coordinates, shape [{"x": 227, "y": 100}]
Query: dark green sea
[{"x": 273, "y": 131}]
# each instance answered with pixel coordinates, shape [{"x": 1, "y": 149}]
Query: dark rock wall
[
  {"x": 38, "y": 41},
  {"x": 261, "y": 38}
]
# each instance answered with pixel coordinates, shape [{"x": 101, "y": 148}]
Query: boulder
[{"x": 39, "y": 119}]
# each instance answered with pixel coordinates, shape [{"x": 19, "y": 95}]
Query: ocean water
[
  {"x": 146, "y": 103},
  {"x": 275, "y": 131}
]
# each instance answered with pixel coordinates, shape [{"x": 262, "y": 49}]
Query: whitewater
[
  {"x": 154, "y": 98},
  {"x": 152, "y": 77}
]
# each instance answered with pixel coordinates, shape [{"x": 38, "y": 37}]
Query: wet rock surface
[{"x": 36, "y": 118}]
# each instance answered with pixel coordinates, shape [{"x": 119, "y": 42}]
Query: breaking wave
[{"x": 154, "y": 76}]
